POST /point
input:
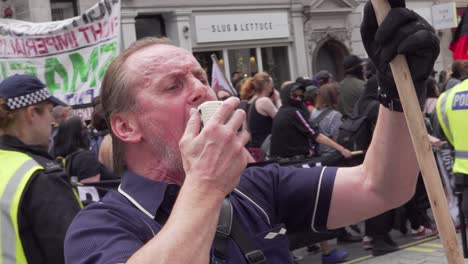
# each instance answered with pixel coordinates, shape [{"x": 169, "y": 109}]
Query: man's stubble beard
[{"x": 167, "y": 151}]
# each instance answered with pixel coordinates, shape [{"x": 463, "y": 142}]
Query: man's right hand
[
  {"x": 215, "y": 157},
  {"x": 346, "y": 153}
]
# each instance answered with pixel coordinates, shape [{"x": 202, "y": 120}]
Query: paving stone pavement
[{"x": 427, "y": 252}]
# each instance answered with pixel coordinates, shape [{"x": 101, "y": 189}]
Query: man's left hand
[{"x": 402, "y": 32}]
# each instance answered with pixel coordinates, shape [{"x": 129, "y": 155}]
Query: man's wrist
[
  {"x": 389, "y": 98},
  {"x": 393, "y": 105},
  {"x": 388, "y": 95},
  {"x": 201, "y": 191}
]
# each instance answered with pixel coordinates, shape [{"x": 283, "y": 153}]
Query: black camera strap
[{"x": 229, "y": 227}]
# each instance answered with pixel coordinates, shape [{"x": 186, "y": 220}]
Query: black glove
[{"x": 402, "y": 32}]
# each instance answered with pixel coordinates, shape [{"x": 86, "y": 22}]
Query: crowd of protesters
[
  {"x": 294, "y": 123},
  {"x": 317, "y": 107}
]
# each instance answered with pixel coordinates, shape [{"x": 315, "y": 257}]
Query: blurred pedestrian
[
  {"x": 262, "y": 109},
  {"x": 98, "y": 129},
  {"x": 459, "y": 71},
  {"x": 323, "y": 77},
  {"x": 72, "y": 147},
  {"x": 223, "y": 95},
  {"x": 59, "y": 113},
  {"x": 352, "y": 86},
  {"x": 328, "y": 119}
]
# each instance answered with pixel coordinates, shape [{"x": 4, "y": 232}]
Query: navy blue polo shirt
[{"x": 268, "y": 202}]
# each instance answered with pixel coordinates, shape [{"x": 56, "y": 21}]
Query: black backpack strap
[
  {"x": 223, "y": 231},
  {"x": 230, "y": 227},
  {"x": 225, "y": 218},
  {"x": 252, "y": 254},
  {"x": 69, "y": 161}
]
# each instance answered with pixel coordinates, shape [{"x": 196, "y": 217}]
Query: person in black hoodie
[{"x": 291, "y": 133}]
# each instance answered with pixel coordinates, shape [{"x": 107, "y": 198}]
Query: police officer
[
  {"x": 452, "y": 116},
  {"x": 37, "y": 201}
]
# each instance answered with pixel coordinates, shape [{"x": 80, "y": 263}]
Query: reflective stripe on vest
[
  {"x": 15, "y": 172},
  {"x": 461, "y": 154}
]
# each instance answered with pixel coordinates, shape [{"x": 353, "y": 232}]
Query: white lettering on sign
[
  {"x": 460, "y": 101},
  {"x": 231, "y": 27},
  {"x": 84, "y": 113},
  {"x": 241, "y": 27}
]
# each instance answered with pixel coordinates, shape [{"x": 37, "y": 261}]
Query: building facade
[{"x": 286, "y": 38}]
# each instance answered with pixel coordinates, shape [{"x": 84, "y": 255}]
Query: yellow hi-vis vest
[
  {"x": 452, "y": 113},
  {"x": 15, "y": 172}
]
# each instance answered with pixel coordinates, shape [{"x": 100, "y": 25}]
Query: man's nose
[{"x": 199, "y": 91}]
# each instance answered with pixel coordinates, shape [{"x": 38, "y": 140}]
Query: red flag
[
  {"x": 218, "y": 81},
  {"x": 459, "y": 44}
]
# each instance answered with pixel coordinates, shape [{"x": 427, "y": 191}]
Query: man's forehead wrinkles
[
  {"x": 165, "y": 57},
  {"x": 158, "y": 63},
  {"x": 147, "y": 77}
]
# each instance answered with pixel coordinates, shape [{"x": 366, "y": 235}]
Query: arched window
[{"x": 329, "y": 56}]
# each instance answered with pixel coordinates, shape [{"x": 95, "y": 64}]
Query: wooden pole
[{"x": 422, "y": 146}]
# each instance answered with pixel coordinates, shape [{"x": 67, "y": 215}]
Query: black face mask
[{"x": 295, "y": 103}]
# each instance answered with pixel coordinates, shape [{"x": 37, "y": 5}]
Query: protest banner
[{"x": 69, "y": 56}]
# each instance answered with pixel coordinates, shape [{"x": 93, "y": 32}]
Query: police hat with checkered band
[{"x": 24, "y": 90}]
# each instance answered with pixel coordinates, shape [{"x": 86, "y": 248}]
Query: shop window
[
  {"x": 276, "y": 63},
  {"x": 58, "y": 14},
  {"x": 243, "y": 61},
  {"x": 149, "y": 26},
  {"x": 204, "y": 58},
  {"x": 63, "y": 9}
]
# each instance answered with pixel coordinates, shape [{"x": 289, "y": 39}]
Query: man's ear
[{"x": 126, "y": 128}]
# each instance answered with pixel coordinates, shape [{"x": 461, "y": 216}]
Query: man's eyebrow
[
  {"x": 173, "y": 73},
  {"x": 199, "y": 72}
]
